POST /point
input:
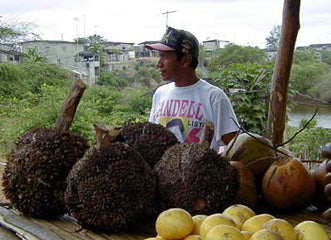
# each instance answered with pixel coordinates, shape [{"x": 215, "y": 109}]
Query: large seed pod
[
  {"x": 149, "y": 139},
  {"x": 288, "y": 185},
  {"x": 111, "y": 188},
  {"x": 254, "y": 154},
  {"x": 248, "y": 193},
  {"x": 35, "y": 174},
  {"x": 195, "y": 178}
]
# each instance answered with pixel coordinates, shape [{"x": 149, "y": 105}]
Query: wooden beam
[{"x": 281, "y": 75}]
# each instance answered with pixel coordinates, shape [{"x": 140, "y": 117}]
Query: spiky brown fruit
[
  {"x": 195, "y": 178},
  {"x": 150, "y": 139},
  {"x": 32, "y": 135},
  {"x": 35, "y": 174},
  {"x": 111, "y": 188}
]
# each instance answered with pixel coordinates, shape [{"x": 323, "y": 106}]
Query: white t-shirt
[{"x": 184, "y": 111}]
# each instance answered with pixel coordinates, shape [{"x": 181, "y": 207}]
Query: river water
[{"x": 298, "y": 112}]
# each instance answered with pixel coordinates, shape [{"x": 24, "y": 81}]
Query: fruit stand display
[
  {"x": 139, "y": 183},
  {"x": 65, "y": 228}
]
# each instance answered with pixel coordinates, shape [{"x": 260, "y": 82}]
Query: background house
[
  {"x": 117, "y": 52},
  {"x": 212, "y": 45},
  {"x": 69, "y": 55},
  {"x": 10, "y": 54}
]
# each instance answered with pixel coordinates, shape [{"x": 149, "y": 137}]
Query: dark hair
[{"x": 194, "y": 62}]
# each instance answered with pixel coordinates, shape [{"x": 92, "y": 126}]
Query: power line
[{"x": 167, "y": 13}]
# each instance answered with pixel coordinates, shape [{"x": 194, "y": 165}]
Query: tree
[
  {"x": 235, "y": 54},
  {"x": 12, "y": 30},
  {"x": 33, "y": 56},
  {"x": 247, "y": 86},
  {"x": 94, "y": 43},
  {"x": 273, "y": 39},
  {"x": 90, "y": 40},
  {"x": 281, "y": 74}
]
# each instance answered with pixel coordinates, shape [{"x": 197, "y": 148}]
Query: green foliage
[
  {"x": 101, "y": 99},
  {"x": 305, "y": 56},
  {"x": 11, "y": 80},
  {"x": 273, "y": 38},
  {"x": 248, "y": 89},
  {"x": 224, "y": 57},
  {"x": 38, "y": 92},
  {"x": 33, "y": 56},
  {"x": 307, "y": 74},
  {"x": 113, "y": 79},
  {"x": 325, "y": 56},
  {"x": 307, "y": 143},
  {"x": 322, "y": 89}
]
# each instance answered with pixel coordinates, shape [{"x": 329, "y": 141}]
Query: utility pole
[
  {"x": 95, "y": 29},
  {"x": 76, "y": 19},
  {"x": 84, "y": 17},
  {"x": 167, "y": 13}
]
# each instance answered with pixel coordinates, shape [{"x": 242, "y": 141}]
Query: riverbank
[{"x": 306, "y": 111}]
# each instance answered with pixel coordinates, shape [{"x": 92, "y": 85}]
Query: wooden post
[
  {"x": 69, "y": 106},
  {"x": 281, "y": 75}
]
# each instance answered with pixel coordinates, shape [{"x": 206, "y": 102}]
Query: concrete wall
[{"x": 66, "y": 54}]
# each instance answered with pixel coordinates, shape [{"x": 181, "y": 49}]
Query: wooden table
[
  {"x": 66, "y": 228},
  {"x": 14, "y": 226}
]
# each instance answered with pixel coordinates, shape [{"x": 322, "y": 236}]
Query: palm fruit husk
[
  {"x": 254, "y": 154},
  {"x": 36, "y": 170},
  {"x": 111, "y": 188},
  {"x": 149, "y": 139},
  {"x": 248, "y": 192},
  {"x": 195, "y": 178},
  {"x": 288, "y": 185}
]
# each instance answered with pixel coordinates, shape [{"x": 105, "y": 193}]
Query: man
[{"x": 190, "y": 100}]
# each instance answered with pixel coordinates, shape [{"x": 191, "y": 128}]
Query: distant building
[
  {"x": 271, "y": 54},
  {"x": 212, "y": 45},
  {"x": 69, "y": 55},
  {"x": 118, "y": 51},
  {"x": 321, "y": 46},
  {"x": 326, "y": 46},
  {"x": 145, "y": 52},
  {"x": 10, "y": 54}
]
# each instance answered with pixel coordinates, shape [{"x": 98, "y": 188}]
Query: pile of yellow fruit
[{"x": 237, "y": 222}]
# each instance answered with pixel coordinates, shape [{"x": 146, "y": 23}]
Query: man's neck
[{"x": 186, "y": 80}]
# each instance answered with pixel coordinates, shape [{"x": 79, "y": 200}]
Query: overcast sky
[{"x": 244, "y": 22}]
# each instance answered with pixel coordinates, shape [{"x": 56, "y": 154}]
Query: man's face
[{"x": 168, "y": 65}]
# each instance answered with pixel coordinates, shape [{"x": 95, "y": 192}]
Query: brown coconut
[
  {"x": 247, "y": 192},
  {"x": 255, "y": 154},
  {"x": 288, "y": 185}
]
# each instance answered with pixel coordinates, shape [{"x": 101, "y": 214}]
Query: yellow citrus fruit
[
  {"x": 174, "y": 223},
  {"x": 266, "y": 234},
  {"x": 158, "y": 237},
  {"x": 256, "y": 222},
  {"x": 224, "y": 232},
  {"x": 193, "y": 237},
  {"x": 214, "y": 220},
  {"x": 239, "y": 213},
  {"x": 247, "y": 235},
  {"x": 310, "y": 230},
  {"x": 155, "y": 238},
  {"x": 281, "y": 226},
  {"x": 198, "y": 219}
]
